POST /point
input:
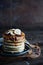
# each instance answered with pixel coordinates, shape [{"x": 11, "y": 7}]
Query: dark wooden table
[{"x": 32, "y": 37}]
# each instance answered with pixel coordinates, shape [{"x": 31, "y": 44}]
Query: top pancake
[{"x": 13, "y": 37}]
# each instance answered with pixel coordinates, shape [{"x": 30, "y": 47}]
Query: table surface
[{"x": 32, "y": 37}]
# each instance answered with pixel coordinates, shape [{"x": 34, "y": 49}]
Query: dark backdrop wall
[{"x": 26, "y": 14}]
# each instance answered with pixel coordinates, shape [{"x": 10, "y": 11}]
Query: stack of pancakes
[{"x": 14, "y": 41}]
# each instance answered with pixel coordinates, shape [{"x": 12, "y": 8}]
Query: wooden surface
[
  {"x": 8, "y": 60},
  {"x": 32, "y": 39}
]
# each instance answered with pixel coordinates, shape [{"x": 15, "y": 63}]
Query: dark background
[
  {"x": 23, "y": 14},
  {"x": 26, "y": 15}
]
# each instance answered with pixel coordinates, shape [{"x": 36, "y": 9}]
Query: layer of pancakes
[{"x": 14, "y": 41}]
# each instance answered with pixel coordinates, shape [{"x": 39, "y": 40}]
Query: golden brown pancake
[
  {"x": 13, "y": 42},
  {"x": 13, "y": 38}
]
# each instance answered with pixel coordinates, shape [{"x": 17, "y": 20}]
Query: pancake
[
  {"x": 14, "y": 48},
  {"x": 14, "y": 40},
  {"x": 14, "y": 43}
]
